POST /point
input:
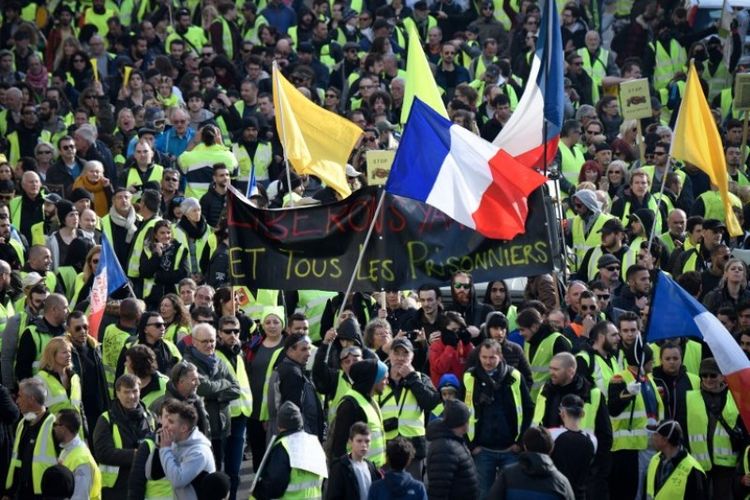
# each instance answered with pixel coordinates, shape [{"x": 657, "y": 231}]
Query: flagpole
[
  {"x": 283, "y": 136},
  {"x": 362, "y": 252},
  {"x": 658, "y": 210}
]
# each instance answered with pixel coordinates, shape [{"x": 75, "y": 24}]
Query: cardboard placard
[
  {"x": 635, "y": 99},
  {"x": 379, "y": 166}
]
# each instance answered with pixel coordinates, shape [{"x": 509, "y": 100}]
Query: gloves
[
  {"x": 450, "y": 338},
  {"x": 633, "y": 388},
  {"x": 465, "y": 336}
]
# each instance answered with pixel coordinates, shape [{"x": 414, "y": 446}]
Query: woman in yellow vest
[
  {"x": 226, "y": 303},
  {"x": 163, "y": 264},
  {"x": 176, "y": 317},
  {"x": 56, "y": 372},
  {"x": 673, "y": 473}
]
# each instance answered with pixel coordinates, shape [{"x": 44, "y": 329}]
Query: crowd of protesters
[{"x": 131, "y": 119}]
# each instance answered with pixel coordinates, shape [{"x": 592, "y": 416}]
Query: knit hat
[
  {"x": 277, "y": 311},
  {"x": 64, "y": 207},
  {"x": 709, "y": 365},
  {"x": 381, "y": 373},
  {"x": 58, "y": 482},
  {"x": 449, "y": 380},
  {"x": 645, "y": 216},
  {"x": 189, "y": 204},
  {"x": 289, "y": 417},
  {"x": 80, "y": 194},
  {"x": 607, "y": 260},
  {"x": 455, "y": 414},
  {"x": 214, "y": 485},
  {"x": 496, "y": 319},
  {"x": 151, "y": 199}
]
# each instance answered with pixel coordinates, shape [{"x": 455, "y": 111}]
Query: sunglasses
[
  {"x": 587, "y": 308},
  {"x": 459, "y": 286},
  {"x": 67, "y": 147},
  {"x": 612, "y": 269},
  {"x": 709, "y": 375},
  {"x": 82, "y": 328},
  {"x": 603, "y": 296},
  {"x": 157, "y": 324},
  {"x": 232, "y": 331}
]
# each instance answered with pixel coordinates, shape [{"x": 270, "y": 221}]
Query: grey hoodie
[{"x": 183, "y": 461}]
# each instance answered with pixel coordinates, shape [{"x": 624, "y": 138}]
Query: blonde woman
[
  {"x": 56, "y": 373},
  {"x": 732, "y": 289},
  {"x": 84, "y": 280},
  {"x": 69, "y": 46}
]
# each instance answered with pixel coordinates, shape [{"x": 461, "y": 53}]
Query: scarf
[
  {"x": 193, "y": 231},
  {"x": 209, "y": 361},
  {"x": 126, "y": 222},
  {"x": 39, "y": 80},
  {"x": 97, "y": 189},
  {"x": 489, "y": 384}
]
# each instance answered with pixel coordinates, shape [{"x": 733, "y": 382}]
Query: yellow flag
[
  {"x": 419, "y": 79},
  {"x": 697, "y": 141},
  {"x": 316, "y": 141}
]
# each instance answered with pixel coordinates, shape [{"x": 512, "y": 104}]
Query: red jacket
[{"x": 448, "y": 359}]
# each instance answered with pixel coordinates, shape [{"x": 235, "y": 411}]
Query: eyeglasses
[
  {"x": 157, "y": 324},
  {"x": 231, "y": 331},
  {"x": 602, "y": 296},
  {"x": 206, "y": 341},
  {"x": 459, "y": 286},
  {"x": 709, "y": 375},
  {"x": 612, "y": 269},
  {"x": 67, "y": 147},
  {"x": 81, "y": 328}
]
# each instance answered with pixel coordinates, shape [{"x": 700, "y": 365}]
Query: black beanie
[
  {"x": 64, "y": 207},
  {"x": 58, "y": 482},
  {"x": 455, "y": 414}
]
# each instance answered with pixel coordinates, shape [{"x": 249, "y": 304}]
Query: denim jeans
[
  {"x": 233, "y": 450},
  {"x": 488, "y": 462}
]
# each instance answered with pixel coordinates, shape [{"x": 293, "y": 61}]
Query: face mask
[{"x": 30, "y": 416}]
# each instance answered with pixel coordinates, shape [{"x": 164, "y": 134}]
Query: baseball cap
[{"x": 403, "y": 343}]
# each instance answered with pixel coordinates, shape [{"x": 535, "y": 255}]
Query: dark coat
[
  {"x": 397, "y": 486},
  {"x": 296, "y": 387},
  {"x": 450, "y": 466},
  {"x": 342, "y": 483},
  {"x": 534, "y": 475}
]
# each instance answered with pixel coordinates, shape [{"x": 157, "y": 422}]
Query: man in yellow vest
[
  {"x": 76, "y": 456},
  {"x": 142, "y": 169},
  {"x": 38, "y": 333},
  {"x": 709, "y": 233},
  {"x": 224, "y": 33},
  {"x": 406, "y": 398},
  {"x": 541, "y": 343},
  {"x": 287, "y": 473},
  {"x": 35, "y": 447},
  {"x": 599, "y": 64},
  {"x": 598, "y": 361},
  {"x": 635, "y": 407},
  {"x": 714, "y": 429},
  {"x": 675, "y": 236},
  {"x": 584, "y": 230},
  {"x": 673, "y": 472},
  {"x": 570, "y": 152},
  {"x": 612, "y": 236}
]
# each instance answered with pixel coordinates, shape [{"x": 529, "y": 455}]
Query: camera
[{"x": 413, "y": 335}]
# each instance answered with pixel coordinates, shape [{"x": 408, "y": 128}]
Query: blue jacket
[{"x": 397, "y": 486}]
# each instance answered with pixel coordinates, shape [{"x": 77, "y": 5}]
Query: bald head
[{"x": 562, "y": 369}]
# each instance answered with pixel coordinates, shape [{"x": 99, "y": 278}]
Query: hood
[
  {"x": 589, "y": 199},
  {"x": 536, "y": 464},
  {"x": 349, "y": 330},
  {"x": 400, "y": 484},
  {"x": 646, "y": 217},
  {"x": 196, "y": 438}
]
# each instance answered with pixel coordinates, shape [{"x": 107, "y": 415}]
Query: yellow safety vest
[
  {"x": 227, "y": 41},
  {"x": 157, "y": 489},
  {"x": 571, "y": 160},
  {"x": 691, "y": 358},
  {"x": 81, "y": 455},
  {"x": 197, "y": 166},
  {"x": 667, "y": 63},
  {"x": 717, "y": 81},
  {"x": 588, "y": 423},
  {"x": 376, "y": 453},
  {"x": 714, "y": 207},
  {"x": 633, "y": 435},
  {"x": 596, "y": 69},
  {"x": 674, "y": 486},
  {"x": 110, "y": 472},
  {"x": 134, "y": 175},
  {"x": 342, "y": 387},
  {"x": 195, "y": 37},
  {"x": 540, "y": 362},
  {"x": 136, "y": 250},
  {"x": 195, "y": 250},
  {"x": 14, "y": 147},
  {"x": 302, "y": 484},
  {"x": 255, "y": 304},
  {"x": 406, "y": 409},
  {"x": 727, "y": 105},
  {"x": 602, "y": 370},
  {"x": 313, "y": 305},
  {"x": 149, "y": 283},
  {"x": 244, "y": 404},
  {"x": 269, "y": 370},
  {"x": 57, "y": 396},
  {"x": 581, "y": 242},
  {"x": 44, "y": 457},
  {"x": 261, "y": 160},
  {"x": 697, "y": 429},
  {"x": 515, "y": 388},
  {"x": 112, "y": 345},
  {"x": 152, "y": 396}
]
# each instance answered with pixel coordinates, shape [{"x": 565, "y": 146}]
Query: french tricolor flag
[
  {"x": 675, "y": 313},
  {"x": 471, "y": 180},
  {"x": 538, "y": 118},
  {"x": 108, "y": 279}
]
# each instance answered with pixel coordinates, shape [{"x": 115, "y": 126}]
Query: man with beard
[
  {"x": 49, "y": 118},
  {"x": 252, "y": 153},
  {"x": 213, "y": 202},
  {"x": 597, "y": 361},
  {"x": 465, "y": 302},
  {"x": 63, "y": 173}
]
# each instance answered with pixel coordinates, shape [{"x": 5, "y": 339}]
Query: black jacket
[
  {"x": 195, "y": 400},
  {"x": 342, "y": 483},
  {"x": 8, "y": 417},
  {"x": 212, "y": 205},
  {"x": 533, "y": 475},
  {"x": 450, "y": 466},
  {"x": 59, "y": 179},
  {"x": 295, "y": 386},
  {"x": 87, "y": 363}
]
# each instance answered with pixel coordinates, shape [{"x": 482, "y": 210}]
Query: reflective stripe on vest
[
  {"x": 81, "y": 455},
  {"x": 540, "y": 362},
  {"x": 244, "y": 404},
  {"x": 57, "y": 396},
  {"x": 697, "y": 429},
  {"x": 110, "y": 472},
  {"x": 261, "y": 160},
  {"x": 342, "y": 387},
  {"x": 406, "y": 409},
  {"x": 581, "y": 242},
  {"x": 515, "y": 388},
  {"x": 44, "y": 455},
  {"x": 302, "y": 483},
  {"x": 159, "y": 489},
  {"x": 376, "y": 453},
  {"x": 631, "y": 434},
  {"x": 674, "y": 486}
]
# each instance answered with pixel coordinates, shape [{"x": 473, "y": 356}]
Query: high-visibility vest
[
  {"x": 227, "y": 42},
  {"x": 112, "y": 345},
  {"x": 726, "y": 104},
  {"x": 18, "y": 248},
  {"x": 256, "y": 303},
  {"x": 110, "y": 472},
  {"x": 588, "y": 423},
  {"x": 302, "y": 484},
  {"x": 157, "y": 489},
  {"x": 57, "y": 396},
  {"x": 194, "y": 246},
  {"x": 406, "y": 409},
  {"x": 746, "y": 465},
  {"x": 261, "y": 160},
  {"x": 691, "y": 357},
  {"x": 250, "y": 32},
  {"x": 149, "y": 283},
  {"x": 313, "y": 303},
  {"x": 100, "y": 20},
  {"x": 571, "y": 160},
  {"x": 667, "y": 63},
  {"x": 14, "y": 147},
  {"x": 67, "y": 275},
  {"x": 81, "y": 455},
  {"x": 602, "y": 370},
  {"x": 431, "y": 23},
  {"x": 269, "y": 370},
  {"x": 376, "y": 453},
  {"x": 152, "y": 396},
  {"x": 44, "y": 455},
  {"x": 156, "y": 172},
  {"x": 41, "y": 339},
  {"x": 136, "y": 250},
  {"x": 697, "y": 430},
  {"x": 596, "y": 69},
  {"x": 714, "y": 207},
  {"x": 581, "y": 242},
  {"x": 593, "y": 267},
  {"x": 540, "y": 362},
  {"x": 195, "y": 36},
  {"x": 197, "y": 166},
  {"x": 719, "y": 80},
  {"x": 6, "y": 311},
  {"x": 515, "y": 388},
  {"x": 172, "y": 330},
  {"x": 632, "y": 434},
  {"x": 651, "y": 205},
  {"x": 244, "y": 404},
  {"x": 674, "y": 486},
  {"x": 342, "y": 387},
  {"x": 500, "y": 13},
  {"x": 16, "y": 208}
]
